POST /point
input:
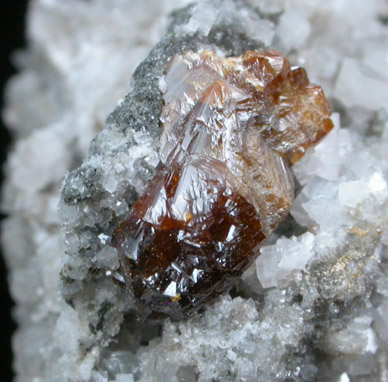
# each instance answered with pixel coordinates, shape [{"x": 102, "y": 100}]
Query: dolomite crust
[{"x": 231, "y": 129}]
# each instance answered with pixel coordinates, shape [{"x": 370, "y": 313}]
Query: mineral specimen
[
  {"x": 313, "y": 307},
  {"x": 232, "y": 127}
]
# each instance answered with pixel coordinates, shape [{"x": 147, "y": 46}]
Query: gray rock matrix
[{"x": 313, "y": 307}]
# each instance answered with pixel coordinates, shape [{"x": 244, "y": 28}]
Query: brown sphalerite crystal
[{"x": 232, "y": 127}]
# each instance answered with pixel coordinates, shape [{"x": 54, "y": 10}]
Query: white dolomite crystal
[{"x": 314, "y": 307}]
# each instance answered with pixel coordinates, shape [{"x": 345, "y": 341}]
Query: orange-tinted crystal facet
[{"x": 232, "y": 128}]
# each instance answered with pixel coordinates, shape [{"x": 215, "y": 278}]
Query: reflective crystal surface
[{"x": 232, "y": 128}]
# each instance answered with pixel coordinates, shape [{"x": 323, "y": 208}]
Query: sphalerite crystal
[{"x": 232, "y": 128}]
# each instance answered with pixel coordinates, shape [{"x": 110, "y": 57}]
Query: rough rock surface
[{"x": 315, "y": 305}]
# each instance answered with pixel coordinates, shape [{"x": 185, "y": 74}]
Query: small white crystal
[
  {"x": 110, "y": 182},
  {"x": 293, "y": 29},
  {"x": 297, "y": 257},
  {"x": 352, "y": 193},
  {"x": 260, "y": 29},
  {"x": 360, "y": 85},
  {"x": 318, "y": 204},
  {"x": 107, "y": 258},
  {"x": 120, "y": 208},
  {"x": 202, "y": 19},
  {"x": 171, "y": 289},
  {"x": 103, "y": 238},
  {"x": 277, "y": 263},
  {"x": 162, "y": 84},
  {"x": 378, "y": 185},
  {"x": 357, "y": 338}
]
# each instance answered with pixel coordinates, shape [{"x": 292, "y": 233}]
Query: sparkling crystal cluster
[{"x": 231, "y": 129}]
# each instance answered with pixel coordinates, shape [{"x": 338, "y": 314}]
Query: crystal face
[{"x": 232, "y": 128}]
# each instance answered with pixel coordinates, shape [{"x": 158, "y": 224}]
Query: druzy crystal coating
[{"x": 232, "y": 128}]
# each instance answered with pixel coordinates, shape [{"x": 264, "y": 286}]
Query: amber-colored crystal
[{"x": 232, "y": 127}]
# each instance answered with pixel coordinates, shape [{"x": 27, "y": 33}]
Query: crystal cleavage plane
[{"x": 232, "y": 129}]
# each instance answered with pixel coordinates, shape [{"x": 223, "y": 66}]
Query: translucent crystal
[
  {"x": 278, "y": 262},
  {"x": 361, "y": 85},
  {"x": 231, "y": 129}
]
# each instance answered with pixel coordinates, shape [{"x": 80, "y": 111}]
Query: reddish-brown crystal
[{"x": 232, "y": 127}]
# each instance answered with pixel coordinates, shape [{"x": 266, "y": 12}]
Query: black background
[{"x": 12, "y": 25}]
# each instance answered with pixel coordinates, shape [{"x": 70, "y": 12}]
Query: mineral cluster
[
  {"x": 313, "y": 306},
  {"x": 231, "y": 129}
]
